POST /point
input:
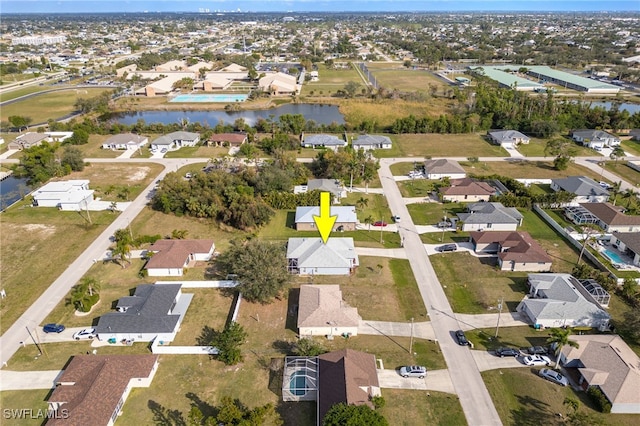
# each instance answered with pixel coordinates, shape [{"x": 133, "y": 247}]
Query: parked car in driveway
[
  {"x": 536, "y": 360},
  {"x": 502, "y": 352},
  {"x": 536, "y": 350},
  {"x": 413, "y": 371},
  {"x": 380, "y": 223},
  {"x": 53, "y": 328},
  {"x": 553, "y": 376},
  {"x": 444, "y": 224},
  {"x": 447, "y": 247},
  {"x": 87, "y": 333},
  {"x": 461, "y": 338}
]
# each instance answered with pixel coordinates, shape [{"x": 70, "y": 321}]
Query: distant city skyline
[{"x": 133, "y": 6}]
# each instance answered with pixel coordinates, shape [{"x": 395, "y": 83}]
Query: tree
[
  {"x": 615, "y": 190},
  {"x": 122, "y": 251},
  {"x": 564, "y": 151},
  {"x": 351, "y": 88},
  {"x": 617, "y": 153},
  {"x": 629, "y": 325},
  {"x": 259, "y": 280},
  {"x": 368, "y": 221},
  {"x": 353, "y": 415},
  {"x": 38, "y": 164},
  {"x": 362, "y": 202},
  {"x": 308, "y": 347},
  {"x": 560, "y": 337},
  {"x": 73, "y": 158},
  {"x": 179, "y": 234},
  {"x": 228, "y": 342},
  {"x": 85, "y": 294},
  {"x": 588, "y": 231},
  {"x": 20, "y": 121},
  {"x": 79, "y": 137}
]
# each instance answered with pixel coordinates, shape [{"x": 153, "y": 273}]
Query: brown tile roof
[
  {"x": 610, "y": 214},
  {"x": 467, "y": 186},
  {"x": 518, "y": 246},
  {"x": 174, "y": 253},
  {"x": 345, "y": 376},
  {"x": 92, "y": 385},
  {"x": 608, "y": 362},
  {"x": 322, "y": 303}
]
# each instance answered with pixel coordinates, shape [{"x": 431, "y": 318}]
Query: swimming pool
[
  {"x": 298, "y": 383},
  {"x": 200, "y": 98},
  {"x": 613, "y": 256}
]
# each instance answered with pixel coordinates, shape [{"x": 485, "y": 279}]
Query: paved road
[{"x": 474, "y": 397}]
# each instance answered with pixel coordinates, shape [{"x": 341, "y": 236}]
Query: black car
[
  {"x": 502, "y": 352},
  {"x": 447, "y": 247},
  {"x": 462, "y": 339},
  {"x": 537, "y": 350}
]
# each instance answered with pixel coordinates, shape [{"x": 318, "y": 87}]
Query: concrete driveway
[
  {"x": 486, "y": 360},
  {"x": 26, "y": 380},
  {"x": 436, "y": 380},
  {"x": 380, "y": 252},
  {"x": 65, "y": 336},
  {"x": 421, "y": 330}
]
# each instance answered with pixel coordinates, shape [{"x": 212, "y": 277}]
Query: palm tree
[
  {"x": 560, "y": 337},
  {"x": 362, "y": 202},
  {"x": 588, "y": 230},
  {"x": 628, "y": 195},
  {"x": 617, "y": 153},
  {"x": 368, "y": 221},
  {"x": 615, "y": 191}
]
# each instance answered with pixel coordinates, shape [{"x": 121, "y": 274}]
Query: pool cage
[
  {"x": 580, "y": 215},
  {"x": 300, "y": 379},
  {"x": 596, "y": 291}
]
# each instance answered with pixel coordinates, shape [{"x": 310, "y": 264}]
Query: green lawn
[
  {"x": 632, "y": 147},
  {"x": 412, "y": 407},
  {"x": 525, "y": 169},
  {"x": 441, "y": 145},
  {"x": 523, "y": 398},
  {"x": 25, "y": 399},
  {"x": 407, "y": 80},
  {"x": 432, "y": 213},
  {"x": 536, "y": 146},
  {"x": 330, "y": 81},
  {"x": 621, "y": 169}
]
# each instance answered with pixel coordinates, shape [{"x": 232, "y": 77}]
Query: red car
[{"x": 380, "y": 223}]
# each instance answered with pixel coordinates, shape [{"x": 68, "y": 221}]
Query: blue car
[{"x": 53, "y": 328}]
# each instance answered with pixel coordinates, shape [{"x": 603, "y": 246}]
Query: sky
[{"x": 100, "y": 6}]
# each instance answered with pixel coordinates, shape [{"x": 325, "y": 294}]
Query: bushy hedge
[
  {"x": 88, "y": 303},
  {"x": 598, "y": 397}
]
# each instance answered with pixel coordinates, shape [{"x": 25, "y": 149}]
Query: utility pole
[
  {"x": 500, "y": 302},
  {"x": 411, "y": 340}
]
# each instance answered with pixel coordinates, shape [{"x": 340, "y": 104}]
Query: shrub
[{"x": 598, "y": 398}]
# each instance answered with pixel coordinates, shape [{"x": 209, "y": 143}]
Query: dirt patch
[
  {"x": 43, "y": 230},
  {"x": 139, "y": 174}
]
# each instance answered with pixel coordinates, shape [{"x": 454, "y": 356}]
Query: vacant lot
[
  {"x": 411, "y": 407},
  {"x": 523, "y": 169},
  {"x": 384, "y": 112},
  {"x": 432, "y": 213},
  {"x": 330, "y": 81},
  {"x": 439, "y": 145},
  {"x": 523, "y": 398},
  {"x": 17, "y": 400},
  {"x": 51, "y": 105},
  {"x": 403, "y": 79},
  {"x": 624, "y": 171},
  {"x": 535, "y": 148}
]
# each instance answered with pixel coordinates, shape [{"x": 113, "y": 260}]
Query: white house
[
  {"x": 443, "y": 167},
  {"x": 595, "y": 139},
  {"x": 322, "y": 312},
  {"x": 154, "y": 311},
  {"x": 170, "y": 257},
  {"x": 346, "y": 218},
  {"x": 322, "y": 141},
  {"x": 586, "y": 189},
  {"x": 368, "y": 142},
  {"x": 174, "y": 141},
  {"x": 559, "y": 300},
  {"x": 125, "y": 141},
  {"x": 310, "y": 256},
  {"x": 490, "y": 217},
  {"x": 508, "y": 138},
  {"x": 70, "y": 195}
]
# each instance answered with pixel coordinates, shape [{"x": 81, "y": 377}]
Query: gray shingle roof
[
  {"x": 443, "y": 165},
  {"x": 346, "y": 214},
  {"x": 372, "y": 140},
  {"x": 125, "y": 138},
  {"x": 323, "y": 140},
  {"x": 330, "y": 185},
  {"x": 490, "y": 213},
  {"x": 312, "y": 253},
  {"x": 581, "y": 186},
  {"x": 630, "y": 239},
  {"x": 508, "y": 135},
  {"x": 593, "y": 134}
]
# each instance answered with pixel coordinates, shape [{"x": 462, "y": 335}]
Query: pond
[
  {"x": 12, "y": 189},
  {"x": 321, "y": 114},
  {"x": 632, "y": 108}
]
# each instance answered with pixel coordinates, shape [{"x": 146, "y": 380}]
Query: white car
[
  {"x": 413, "y": 371},
  {"x": 536, "y": 360},
  {"x": 553, "y": 376},
  {"x": 87, "y": 333}
]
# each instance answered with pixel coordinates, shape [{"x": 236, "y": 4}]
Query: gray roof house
[
  {"x": 176, "y": 140},
  {"x": 586, "y": 189},
  {"x": 346, "y": 220},
  {"x": 629, "y": 244},
  {"x": 490, "y": 217},
  {"x": 125, "y": 141},
  {"x": 559, "y": 300},
  {"x": 322, "y": 141},
  {"x": 508, "y": 138},
  {"x": 326, "y": 185},
  {"x": 443, "y": 167},
  {"x": 310, "y": 256},
  {"x": 322, "y": 312},
  {"x": 595, "y": 139},
  {"x": 368, "y": 142},
  {"x": 635, "y": 134},
  {"x": 608, "y": 363},
  {"x": 154, "y": 311}
]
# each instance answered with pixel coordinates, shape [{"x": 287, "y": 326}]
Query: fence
[
  {"x": 203, "y": 284},
  {"x": 158, "y": 348},
  {"x": 365, "y": 71}
]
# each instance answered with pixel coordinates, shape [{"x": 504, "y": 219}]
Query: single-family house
[
  {"x": 125, "y": 141},
  {"x": 467, "y": 190},
  {"x": 346, "y": 376},
  {"x": 595, "y": 139},
  {"x": 310, "y": 256},
  {"x": 279, "y": 84},
  {"x": 172, "y": 66},
  {"x": 634, "y": 134},
  {"x": 322, "y": 312},
  {"x": 443, "y": 167},
  {"x": 30, "y": 139},
  {"x": 346, "y": 220},
  {"x": 628, "y": 243},
  {"x": 230, "y": 139},
  {"x": 154, "y": 311},
  {"x": 174, "y": 141},
  {"x": 517, "y": 251},
  {"x": 333, "y": 186},
  {"x": 508, "y": 138},
  {"x": 560, "y": 300},
  {"x": 369, "y": 142},
  {"x": 92, "y": 389},
  {"x": 490, "y": 217},
  {"x": 69, "y": 195},
  {"x": 322, "y": 141},
  {"x": 170, "y": 257},
  {"x": 608, "y": 363},
  {"x": 586, "y": 190},
  {"x": 609, "y": 217}
]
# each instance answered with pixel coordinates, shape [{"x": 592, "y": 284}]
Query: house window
[{"x": 489, "y": 225}]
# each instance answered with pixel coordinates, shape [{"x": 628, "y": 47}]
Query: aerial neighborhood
[{"x": 307, "y": 218}]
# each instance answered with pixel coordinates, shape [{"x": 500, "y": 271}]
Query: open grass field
[
  {"x": 204, "y": 152},
  {"x": 524, "y": 169},
  {"x": 398, "y": 77},
  {"x": 23, "y": 91},
  {"x": 30, "y": 399},
  {"x": 632, "y": 147},
  {"x": 625, "y": 172},
  {"x": 432, "y": 213},
  {"x": 523, "y": 398},
  {"x": 47, "y": 106},
  {"x": 330, "y": 81},
  {"x": 411, "y": 407},
  {"x": 536, "y": 146},
  {"x": 28, "y": 233},
  {"x": 385, "y": 111},
  {"x": 439, "y": 145}
]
